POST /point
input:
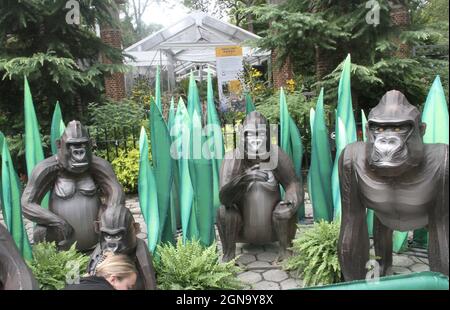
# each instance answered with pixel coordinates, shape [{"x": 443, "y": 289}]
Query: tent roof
[{"x": 193, "y": 39}]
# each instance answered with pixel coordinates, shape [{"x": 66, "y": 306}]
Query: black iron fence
[{"x": 108, "y": 143}]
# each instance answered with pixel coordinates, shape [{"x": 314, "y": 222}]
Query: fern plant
[
  {"x": 52, "y": 268},
  {"x": 315, "y": 256},
  {"x": 190, "y": 266}
]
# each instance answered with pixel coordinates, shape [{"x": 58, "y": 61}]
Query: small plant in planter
[
  {"x": 52, "y": 267},
  {"x": 315, "y": 257},
  {"x": 190, "y": 266}
]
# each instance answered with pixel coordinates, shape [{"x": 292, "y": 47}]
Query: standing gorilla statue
[
  {"x": 399, "y": 177},
  {"x": 252, "y": 210},
  {"x": 73, "y": 175},
  {"x": 118, "y": 235},
  {"x": 14, "y": 272}
]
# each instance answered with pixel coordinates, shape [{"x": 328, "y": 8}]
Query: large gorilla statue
[
  {"x": 399, "y": 177},
  {"x": 76, "y": 179},
  {"x": 252, "y": 210}
]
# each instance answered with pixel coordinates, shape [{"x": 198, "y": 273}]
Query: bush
[
  {"x": 52, "y": 267},
  {"x": 315, "y": 256},
  {"x": 189, "y": 266},
  {"x": 126, "y": 167}
]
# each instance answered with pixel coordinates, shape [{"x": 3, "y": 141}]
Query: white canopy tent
[{"x": 189, "y": 45}]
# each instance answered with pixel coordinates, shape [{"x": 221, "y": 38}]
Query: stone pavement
[{"x": 259, "y": 268}]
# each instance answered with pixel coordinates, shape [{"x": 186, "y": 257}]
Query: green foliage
[
  {"x": 60, "y": 60},
  {"x": 315, "y": 256},
  {"x": 51, "y": 267},
  {"x": 111, "y": 115},
  {"x": 298, "y": 107},
  {"x": 126, "y": 167},
  {"x": 190, "y": 266},
  {"x": 313, "y": 32},
  {"x": 142, "y": 92}
]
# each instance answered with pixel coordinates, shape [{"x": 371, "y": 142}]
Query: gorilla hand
[
  {"x": 64, "y": 232},
  {"x": 284, "y": 210}
]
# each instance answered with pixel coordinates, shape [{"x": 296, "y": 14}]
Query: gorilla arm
[
  {"x": 40, "y": 182},
  {"x": 353, "y": 245},
  {"x": 438, "y": 220},
  {"x": 14, "y": 272},
  {"x": 285, "y": 174},
  {"x": 105, "y": 177}
]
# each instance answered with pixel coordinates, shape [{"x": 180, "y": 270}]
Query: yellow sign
[{"x": 227, "y": 51}]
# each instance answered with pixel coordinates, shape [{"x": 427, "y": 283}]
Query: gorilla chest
[
  {"x": 76, "y": 200},
  {"x": 400, "y": 205},
  {"x": 257, "y": 208}
]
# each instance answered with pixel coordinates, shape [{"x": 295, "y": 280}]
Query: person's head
[{"x": 118, "y": 270}]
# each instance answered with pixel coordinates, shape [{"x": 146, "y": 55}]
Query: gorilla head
[
  {"x": 394, "y": 135},
  {"x": 256, "y": 136},
  {"x": 74, "y": 148},
  {"x": 118, "y": 231}
]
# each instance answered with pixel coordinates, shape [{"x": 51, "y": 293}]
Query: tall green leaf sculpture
[
  {"x": 158, "y": 88},
  {"x": 174, "y": 195},
  {"x": 341, "y": 142},
  {"x": 57, "y": 128},
  {"x": 148, "y": 199},
  {"x": 312, "y": 114},
  {"x": 163, "y": 170},
  {"x": 435, "y": 115},
  {"x": 201, "y": 172},
  {"x": 215, "y": 142},
  {"x": 321, "y": 166},
  {"x": 370, "y": 213},
  {"x": 249, "y": 106},
  {"x": 291, "y": 142},
  {"x": 10, "y": 194},
  {"x": 193, "y": 98},
  {"x": 345, "y": 113},
  {"x": 181, "y": 148},
  {"x": 33, "y": 146}
]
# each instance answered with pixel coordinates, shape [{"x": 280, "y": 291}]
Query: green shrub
[
  {"x": 315, "y": 256},
  {"x": 126, "y": 167},
  {"x": 52, "y": 267},
  {"x": 192, "y": 267}
]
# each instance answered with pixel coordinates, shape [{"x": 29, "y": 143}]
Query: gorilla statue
[
  {"x": 118, "y": 231},
  {"x": 252, "y": 210},
  {"x": 14, "y": 272},
  {"x": 76, "y": 179},
  {"x": 402, "y": 179}
]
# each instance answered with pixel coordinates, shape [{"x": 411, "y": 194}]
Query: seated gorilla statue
[
  {"x": 402, "y": 179},
  {"x": 76, "y": 178},
  {"x": 14, "y": 272},
  {"x": 252, "y": 210},
  {"x": 118, "y": 231}
]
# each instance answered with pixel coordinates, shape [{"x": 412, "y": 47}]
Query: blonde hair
[{"x": 117, "y": 265}]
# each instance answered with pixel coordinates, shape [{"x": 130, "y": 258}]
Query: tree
[
  {"x": 133, "y": 25},
  {"x": 341, "y": 26},
  {"x": 61, "y": 60}
]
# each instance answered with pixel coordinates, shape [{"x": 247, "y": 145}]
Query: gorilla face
[
  {"x": 74, "y": 148},
  {"x": 118, "y": 231},
  {"x": 389, "y": 147},
  {"x": 255, "y": 142},
  {"x": 394, "y": 136},
  {"x": 256, "y": 137}
]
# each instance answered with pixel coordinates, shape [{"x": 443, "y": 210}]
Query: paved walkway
[{"x": 259, "y": 268}]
